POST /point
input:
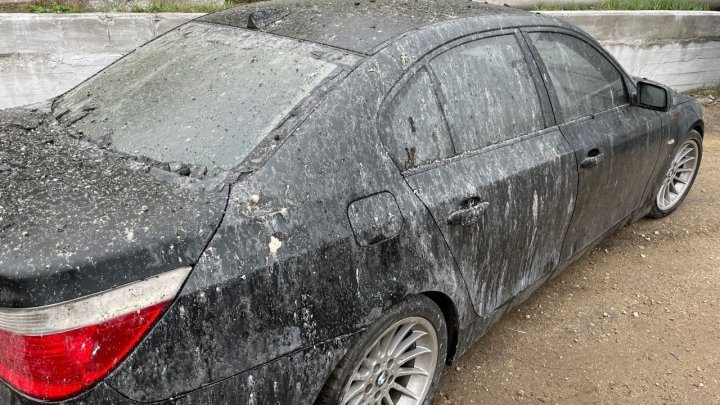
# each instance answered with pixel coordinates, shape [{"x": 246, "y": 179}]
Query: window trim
[
  {"x": 392, "y": 95},
  {"x": 479, "y": 151},
  {"x": 546, "y": 107},
  {"x": 555, "y": 101}
]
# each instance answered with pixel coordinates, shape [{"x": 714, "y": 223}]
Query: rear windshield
[{"x": 203, "y": 95}]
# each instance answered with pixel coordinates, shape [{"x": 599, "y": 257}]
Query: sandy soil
[{"x": 636, "y": 321}]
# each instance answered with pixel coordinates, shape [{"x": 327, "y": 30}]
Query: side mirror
[{"x": 653, "y": 97}]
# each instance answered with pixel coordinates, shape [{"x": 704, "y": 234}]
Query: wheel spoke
[
  {"x": 668, "y": 196},
  {"x": 405, "y": 344},
  {"x": 405, "y": 371},
  {"x": 684, "y": 170},
  {"x": 354, "y": 393},
  {"x": 367, "y": 365},
  {"x": 684, "y": 152},
  {"x": 679, "y": 179},
  {"x": 361, "y": 375},
  {"x": 386, "y": 400},
  {"x": 398, "y": 337},
  {"x": 685, "y": 160},
  {"x": 385, "y": 343},
  {"x": 403, "y": 390},
  {"x": 407, "y": 356}
]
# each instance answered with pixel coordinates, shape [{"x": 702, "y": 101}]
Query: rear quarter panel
[{"x": 284, "y": 271}]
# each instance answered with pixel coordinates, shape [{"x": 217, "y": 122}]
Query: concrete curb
[{"x": 43, "y": 55}]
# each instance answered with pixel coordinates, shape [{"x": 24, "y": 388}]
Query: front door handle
[
  {"x": 594, "y": 157},
  {"x": 470, "y": 212}
]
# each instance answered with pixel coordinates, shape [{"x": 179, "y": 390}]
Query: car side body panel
[
  {"x": 530, "y": 188},
  {"x": 628, "y": 137},
  {"x": 285, "y": 272}
]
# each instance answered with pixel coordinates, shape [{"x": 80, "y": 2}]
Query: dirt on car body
[{"x": 635, "y": 321}]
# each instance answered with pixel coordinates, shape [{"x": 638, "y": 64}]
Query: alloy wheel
[
  {"x": 398, "y": 367},
  {"x": 679, "y": 176}
]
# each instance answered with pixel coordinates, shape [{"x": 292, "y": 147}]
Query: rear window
[{"x": 203, "y": 94}]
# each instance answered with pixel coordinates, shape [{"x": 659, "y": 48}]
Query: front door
[{"x": 616, "y": 144}]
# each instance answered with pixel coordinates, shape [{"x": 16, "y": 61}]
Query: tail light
[{"x": 57, "y": 351}]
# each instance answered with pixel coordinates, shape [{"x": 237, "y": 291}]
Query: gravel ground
[{"x": 635, "y": 321}]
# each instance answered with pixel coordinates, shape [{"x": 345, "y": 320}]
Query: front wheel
[
  {"x": 397, "y": 361},
  {"x": 679, "y": 176}
]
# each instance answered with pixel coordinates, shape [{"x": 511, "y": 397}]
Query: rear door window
[
  {"x": 416, "y": 132},
  {"x": 585, "y": 82},
  {"x": 488, "y": 92}
]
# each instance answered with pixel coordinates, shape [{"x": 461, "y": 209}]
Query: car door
[
  {"x": 616, "y": 143},
  {"x": 504, "y": 200}
]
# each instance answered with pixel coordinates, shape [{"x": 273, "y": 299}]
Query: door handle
[
  {"x": 594, "y": 157},
  {"x": 470, "y": 212}
]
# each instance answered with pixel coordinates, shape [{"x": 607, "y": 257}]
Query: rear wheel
[
  {"x": 679, "y": 176},
  {"x": 396, "y": 361}
]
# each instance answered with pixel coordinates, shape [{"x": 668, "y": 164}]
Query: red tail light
[{"x": 56, "y": 352}]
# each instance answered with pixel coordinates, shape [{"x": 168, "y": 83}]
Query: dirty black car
[{"x": 298, "y": 202}]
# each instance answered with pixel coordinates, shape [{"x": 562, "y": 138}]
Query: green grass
[
  {"x": 80, "y": 6},
  {"x": 53, "y": 8},
  {"x": 704, "y": 92},
  {"x": 161, "y": 7},
  {"x": 684, "y": 5}
]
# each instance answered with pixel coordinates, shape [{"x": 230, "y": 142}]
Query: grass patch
[
  {"x": 706, "y": 92},
  {"x": 683, "y": 5},
  {"x": 172, "y": 7},
  {"x": 54, "y": 8},
  {"x": 81, "y": 6},
  {"x": 161, "y": 7}
]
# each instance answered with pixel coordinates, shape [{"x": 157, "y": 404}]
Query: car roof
[{"x": 361, "y": 26}]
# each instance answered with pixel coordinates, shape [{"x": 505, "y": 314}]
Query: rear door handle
[
  {"x": 469, "y": 213},
  {"x": 594, "y": 157}
]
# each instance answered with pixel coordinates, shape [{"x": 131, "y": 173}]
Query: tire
[
  {"x": 663, "y": 206},
  {"x": 408, "y": 319}
]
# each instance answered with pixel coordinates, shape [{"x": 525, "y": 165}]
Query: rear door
[
  {"x": 616, "y": 144},
  {"x": 474, "y": 146}
]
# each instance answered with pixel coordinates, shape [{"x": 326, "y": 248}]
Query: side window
[
  {"x": 584, "y": 80},
  {"x": 415, "y": 131},
  {"x": 489, "y": 94}
]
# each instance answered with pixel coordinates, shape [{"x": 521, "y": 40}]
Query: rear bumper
[
  {"x": 100, "y": 395},
  {"x": 296, "y": 378}
]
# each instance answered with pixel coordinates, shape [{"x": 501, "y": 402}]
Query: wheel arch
[
  {"x": 449, "y": 311},
  {"x": 698, "y": 126}
]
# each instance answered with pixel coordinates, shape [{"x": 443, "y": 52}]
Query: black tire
[
  {"x": 415, "y": 306},
  {"x": 656, "y": 211}
]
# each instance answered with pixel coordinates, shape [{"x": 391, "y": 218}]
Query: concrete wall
[
  {"x": 532, "y": 4},
  {"x": 681, "y": 49},
  {"x": 42, "y": 55}
]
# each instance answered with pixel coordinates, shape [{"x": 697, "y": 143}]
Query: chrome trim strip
[{"x": 93, "y": 309}]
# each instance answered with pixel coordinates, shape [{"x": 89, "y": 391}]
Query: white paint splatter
[{"x": 274, "y": 245}]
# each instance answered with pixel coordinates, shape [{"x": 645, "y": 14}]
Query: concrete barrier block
[{"x": 681, "y": 49}]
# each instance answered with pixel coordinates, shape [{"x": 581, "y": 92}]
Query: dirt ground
[{"x": 636, "y": 321}]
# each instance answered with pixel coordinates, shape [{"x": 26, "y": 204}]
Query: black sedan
[{"x": 323, "y": 201}]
